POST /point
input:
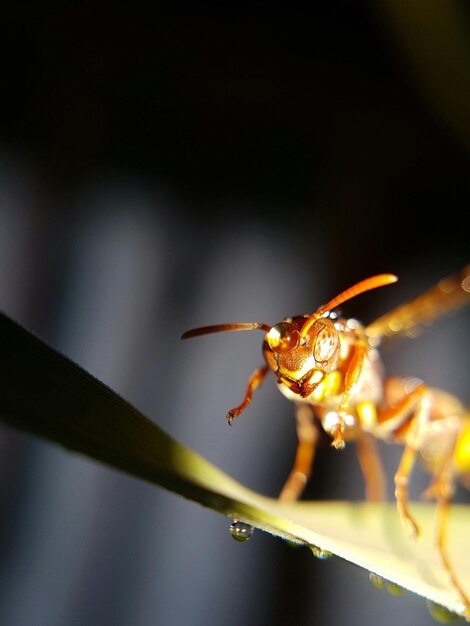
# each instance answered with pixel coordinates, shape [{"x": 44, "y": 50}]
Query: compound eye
[
  {"x": 283, "y": 337},
  {"x": 326, "y": 341}
]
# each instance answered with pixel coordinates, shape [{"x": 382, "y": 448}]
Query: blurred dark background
[{"x": 166, "y": 166}]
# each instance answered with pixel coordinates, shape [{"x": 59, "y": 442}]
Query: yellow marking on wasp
[
  {"x": 462, "y": 450},
  {"x": 329, "y": 386},
  {"x": 367, "y": 412},
  {"x": 308, "y": 364}
]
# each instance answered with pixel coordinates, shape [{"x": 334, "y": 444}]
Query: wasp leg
[
  {"x": 404, "y": 420},
  {"x": 442, "y": 489},
  {"x": 442, "y": 480},
  {"x": 401, "y": 488},
  {"x": 443, "y": 492},
  {"x": 254, "y": 381},
  {"x": 351, "y": 377},
  {"x": 307, "y": 434},
  {"x": 371, "y": 466}
]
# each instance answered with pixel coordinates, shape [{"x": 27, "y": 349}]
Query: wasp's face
[{"x": 302, "y": 361}]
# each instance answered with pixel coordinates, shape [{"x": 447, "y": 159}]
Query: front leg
[
  {"x": 350, "y": 379},
  {"x": 307, "y": 435},
  {"x": 254, "y": 381}
]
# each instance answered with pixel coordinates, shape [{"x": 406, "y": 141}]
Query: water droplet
[
  {"x": 240, "y": 531},
  {"x": 382, "y": 583},
  {"x": 441, "y": 613},
  {"x": 394, "y": 589},
  {"x": 377, "y": 581},
  {"x": 320, "y": 554}
]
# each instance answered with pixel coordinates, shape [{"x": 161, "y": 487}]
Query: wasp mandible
[{"x": 331, "y": 368}]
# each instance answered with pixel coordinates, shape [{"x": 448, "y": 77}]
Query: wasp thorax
[{"x": 283, "y": 337}]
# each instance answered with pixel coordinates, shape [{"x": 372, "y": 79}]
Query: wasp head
[{"x": 302, "y": 355}]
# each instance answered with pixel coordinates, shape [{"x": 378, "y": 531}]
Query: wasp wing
[{"x": 408, "y": 319}]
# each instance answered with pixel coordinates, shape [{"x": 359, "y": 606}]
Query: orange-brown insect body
[{"x": 331, "y": 368}]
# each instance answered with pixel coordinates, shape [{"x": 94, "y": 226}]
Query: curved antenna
[
  {"x": 221, "y": 328},
  {"x": 380, "y": 280}
]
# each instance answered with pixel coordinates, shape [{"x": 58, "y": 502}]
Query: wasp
[{"x": 331, "y": 367}]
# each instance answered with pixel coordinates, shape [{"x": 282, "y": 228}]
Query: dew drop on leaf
[
  {"x": 394, "y": 589},
  {"x": 382, "y": 583},
  {"x": 240, "y": 531},
  {"x": 441, "y": 613},
  {"x": 320, "y": 554},
  {"x": 377, "y": 581}
]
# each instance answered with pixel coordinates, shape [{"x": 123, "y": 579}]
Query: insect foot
[{"x": 337, "y": 434}]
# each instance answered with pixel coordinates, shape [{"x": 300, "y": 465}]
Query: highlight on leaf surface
[{"x": 46, "y": 394}]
